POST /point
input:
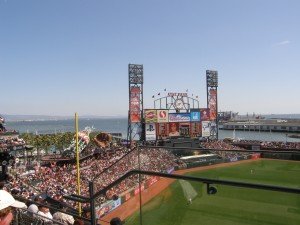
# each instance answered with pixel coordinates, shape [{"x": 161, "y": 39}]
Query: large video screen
[{"x": 160, "y": 124}]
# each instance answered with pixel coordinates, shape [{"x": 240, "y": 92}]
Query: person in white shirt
[{"x": 45, "y": 213}]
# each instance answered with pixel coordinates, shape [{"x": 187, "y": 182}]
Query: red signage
[{"x": 135, "y": 111}]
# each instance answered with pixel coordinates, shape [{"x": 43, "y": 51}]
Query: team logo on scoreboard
[{"x": 162, "y": 116}]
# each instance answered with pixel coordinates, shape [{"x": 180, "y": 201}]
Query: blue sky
[{"x": 58, "y": 57}]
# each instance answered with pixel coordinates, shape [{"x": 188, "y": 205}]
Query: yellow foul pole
[{"x": 77, "y": 163}]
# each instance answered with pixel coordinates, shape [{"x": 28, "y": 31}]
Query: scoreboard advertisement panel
[
  {"x": 162, "y": 116},
  {"x": 150, "y": 132},
  {"x": 162, "y": 130},
  {"x": 195, "y": 116},
  {"x": 204, "y": 114},
  {"x": 179, "y": 117},
  {"x": 212, "y": 104},
  {"x": 150, "y": 116},
  {"x": 160, "y": 124},
  {"x": 206, "y": 128},
  {"x": 135, "y": 110},
  {"x": 195, "y": 129}
]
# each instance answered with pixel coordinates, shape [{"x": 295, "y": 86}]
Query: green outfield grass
[{"x": 231, "y": 205}]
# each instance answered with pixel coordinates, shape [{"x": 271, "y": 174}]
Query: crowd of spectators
[
  {"x": 222, "y": 145},
  {"x": 271, "y": 144},
  {"x": 104, "y": 166},
  {"x": 56, "y": 180},
  {"x": 280, "y": 145},
  {"x": 4, "y": 142}
]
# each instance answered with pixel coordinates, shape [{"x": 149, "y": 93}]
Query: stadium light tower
[{"x": 135, "y": 113}]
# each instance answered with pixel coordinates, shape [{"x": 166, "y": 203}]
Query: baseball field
[{"x": 186, "y": 203}]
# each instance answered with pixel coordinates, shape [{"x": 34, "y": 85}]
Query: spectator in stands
[
  {"x": 7, "y": 205},
  {"x": 45, "y": 214},
  {"x": 33, "y": 208},
  {"x": 63, "y": 217},
  {"x": 116, "y": 221}
]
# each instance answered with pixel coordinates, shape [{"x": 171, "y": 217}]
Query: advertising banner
[
  {"x": 204, "y": 114},
  {"x": 162, "y": 130},
  {"x": 212, "y": 104},
  {"x": 179, "y": 117},
  {"x": 150, "y": 116},
  {"x": 196, "y": 129},
  {"x": 195, "y": 116},
  {"x": 213, "y": 91},
  {"x": 205, "y": 128},
  {"x": 152, "y": 181},
  {"x": 150, "y": 132},
  {"x": 135, "y": 111},
  {"x": 107, "y": 208},
  {"x": 162, "y": 116},
  {"x": 255, "y": 156},
  {"x": 137, "y": 189}
]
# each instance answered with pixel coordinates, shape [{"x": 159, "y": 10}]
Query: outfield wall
[{"x": 285, "y": 156}]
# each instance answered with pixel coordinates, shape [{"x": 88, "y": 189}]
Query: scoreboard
[{"x": 160, "y": 124}]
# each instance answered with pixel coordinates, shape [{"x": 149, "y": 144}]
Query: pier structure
[{"x": 265, "y": 125}]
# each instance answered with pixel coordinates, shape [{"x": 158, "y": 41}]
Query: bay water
[{"x": 120, "y": 125}]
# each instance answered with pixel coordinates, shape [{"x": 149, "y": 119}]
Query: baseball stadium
[{"x": 172, "y": 169}]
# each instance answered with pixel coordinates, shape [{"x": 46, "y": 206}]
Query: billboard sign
[
  {"x": 162, "y": 116},
  {"x": 135, "y": 111},
  {"x": 205, "y": 128},
  {"x": 179, "y": 117},
  {"x": 204, "y": 114},
  {"x": 195, "y": 116},
  {"x": 150, "y": 116},
  {"x": 150, "y": 132},
  {"x": 162, "y": 130},
  {"x": 212, "y": 104},
  {"x": 195, "y": 129}
]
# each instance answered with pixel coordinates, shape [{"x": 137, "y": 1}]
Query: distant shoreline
[{"x": 36, "y": 119}]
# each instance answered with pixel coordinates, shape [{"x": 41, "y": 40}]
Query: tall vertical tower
[
  {"x": 135, "y": 113},
  {"x": 212, "y": 101}
]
